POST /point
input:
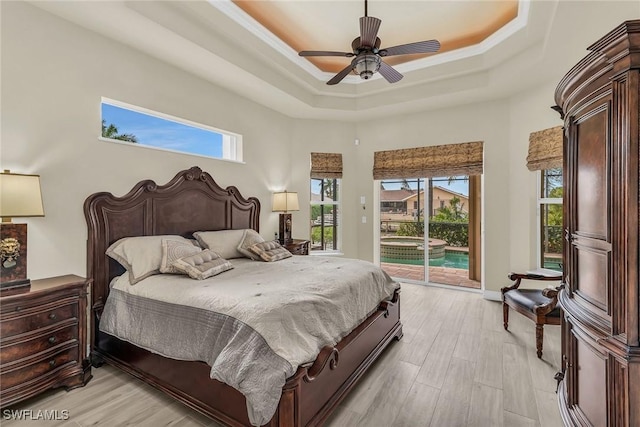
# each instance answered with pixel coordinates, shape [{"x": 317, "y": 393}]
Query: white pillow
[
  {"x": 223, "y": 242},
  {"x": 249, "y": 238},
  {"x": 141, "y": 255},
  {"x": 203, "y": 264}
]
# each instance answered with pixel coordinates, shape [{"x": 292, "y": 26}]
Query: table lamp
[
  {"x": 285, "y": 202},
  {"x": 20, "y": 197}
]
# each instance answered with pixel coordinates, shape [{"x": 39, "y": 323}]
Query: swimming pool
[{"x": 451, "y": 259}]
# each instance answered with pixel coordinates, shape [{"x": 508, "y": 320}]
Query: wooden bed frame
[{"x": 190, "y": 202}]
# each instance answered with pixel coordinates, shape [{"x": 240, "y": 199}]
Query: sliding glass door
[{"x": 425, "y": 233}]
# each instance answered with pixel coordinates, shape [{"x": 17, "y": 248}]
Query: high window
[
  {"x": 550, "y": 219},
  {"x": 128, "y": 124}
]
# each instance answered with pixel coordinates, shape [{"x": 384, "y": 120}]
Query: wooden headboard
[{"x": 191, "y": 201}]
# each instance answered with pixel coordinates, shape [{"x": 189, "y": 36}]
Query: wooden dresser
[
  {"x": 600, "y": 102},
  {"x": 43, "y": 338}
]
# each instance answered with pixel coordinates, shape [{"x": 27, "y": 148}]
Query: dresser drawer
[
  {"x": 35, "y": 343},
  {"x": 34, "y": 319},
  {"x": 48, "y": 363}
]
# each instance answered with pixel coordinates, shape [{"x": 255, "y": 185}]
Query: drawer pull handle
[
  {"x": 52, "y": 340},
  {"x": 52, "y": 363},
  {"x": 52, "y": 316}
]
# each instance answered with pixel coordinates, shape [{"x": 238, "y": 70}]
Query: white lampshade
[
  {"x": 20, "y": 195},
  {"x": 285, "y": 202}
]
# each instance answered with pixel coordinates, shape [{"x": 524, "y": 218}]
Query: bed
[{"x": 191, "y": 202}]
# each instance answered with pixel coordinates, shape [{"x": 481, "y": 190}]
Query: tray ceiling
[
  {"x": 332, "y": 25},
  {"x": 491, "y": 49}
]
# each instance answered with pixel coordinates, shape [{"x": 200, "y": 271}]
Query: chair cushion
[{"x": 529, "y": 298}]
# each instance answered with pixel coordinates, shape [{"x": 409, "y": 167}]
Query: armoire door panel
[
  {"x": 591, "y": 382},
  {"x": 592, "y": 282},
  {"x": 592, "y": 174}
]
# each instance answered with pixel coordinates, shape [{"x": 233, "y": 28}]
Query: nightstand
[
  {"x": 43, "y": 338},
  {"x": 298, "y": 247}
]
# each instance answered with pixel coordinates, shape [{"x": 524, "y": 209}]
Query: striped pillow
[
  {"x": 203, "y": 264},
  {"x": 270, "y": 251}
]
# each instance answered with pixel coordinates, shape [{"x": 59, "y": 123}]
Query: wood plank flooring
[{"x": 455, "y": 366}]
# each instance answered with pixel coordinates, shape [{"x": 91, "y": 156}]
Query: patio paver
[{"x": 441, "y": 275}]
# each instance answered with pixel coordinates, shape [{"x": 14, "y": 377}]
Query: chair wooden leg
[
  {"x": 505, "y": 316},
  {"x": 539, "y": 337}
]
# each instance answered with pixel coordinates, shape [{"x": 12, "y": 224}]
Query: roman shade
[
  {"x": 429, "y": 162},
  {"x": 545, "y": 149},
  {"x": 326, "y": 165}
]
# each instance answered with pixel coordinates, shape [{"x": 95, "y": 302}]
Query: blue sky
[{"x": 162, "y": 133}]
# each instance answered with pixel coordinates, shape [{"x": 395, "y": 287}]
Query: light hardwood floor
[{"x": 455, "y": 366}]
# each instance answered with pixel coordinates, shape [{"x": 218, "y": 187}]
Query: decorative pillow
[
  {"x": 141, "y": 255},
  {"x": 173, "y": 250},
  {"x": 249, "y": 238},
  {"x": 270, "y": 251},
  {"x": 223, "y": 242},
  {"x": 203, "y": 264}
]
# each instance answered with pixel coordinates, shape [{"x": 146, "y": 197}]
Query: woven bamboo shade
[
  {"x": 428, "y": 162},
  {"x": 545, "y": 149},
  {"x": 326, "y": 165}
]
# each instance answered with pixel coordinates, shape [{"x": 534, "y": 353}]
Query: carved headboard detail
[{"x": 191, "y": 201}]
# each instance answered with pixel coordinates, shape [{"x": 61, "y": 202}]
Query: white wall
[
  {"x": 54, "y": 73},
  {"x": 310, "y": 136},
  {"x": 529, "y": 111}
]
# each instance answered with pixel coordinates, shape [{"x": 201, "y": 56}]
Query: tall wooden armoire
[{"x": 600, "y": 102}]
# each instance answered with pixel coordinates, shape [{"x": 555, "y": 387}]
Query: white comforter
[{"x": 298, "y": 305}]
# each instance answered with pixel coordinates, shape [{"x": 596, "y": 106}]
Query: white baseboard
[{"x": 492, "y": 295}]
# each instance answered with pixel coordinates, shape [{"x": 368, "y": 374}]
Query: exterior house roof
[{"x": 395, "y": 195}]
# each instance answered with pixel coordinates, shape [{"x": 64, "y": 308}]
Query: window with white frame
[
  {"x": 128, "y": 124},
  {"x": 325, "y": 214},
  {"x": 550, "y": 233}
]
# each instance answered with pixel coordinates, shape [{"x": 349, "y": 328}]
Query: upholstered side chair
[{"x": 539, "y": 305}]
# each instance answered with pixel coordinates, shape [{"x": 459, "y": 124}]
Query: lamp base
[
  {"x": 13, "y": 263},
  {"x": 285, "y": 228}
]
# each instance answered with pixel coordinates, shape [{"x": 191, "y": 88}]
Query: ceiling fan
[{"x": 368, "y": 55}]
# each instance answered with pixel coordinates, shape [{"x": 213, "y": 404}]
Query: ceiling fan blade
[
  {"x": 389, "y": 73},
  {"x": 369, "y": 27},
  {"x": 341, "y": 75},
  {"x": 427, "y": 46},
  {"x": 324, "y": 53}
]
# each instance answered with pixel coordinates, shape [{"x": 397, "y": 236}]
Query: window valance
[
  {"x": 326, "y": 165},
  {"x": 545, "y": 149},
  {"x": 429, "y": 162}
]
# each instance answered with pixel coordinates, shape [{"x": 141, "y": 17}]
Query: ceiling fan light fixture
[{"x": 367, "y": 65}]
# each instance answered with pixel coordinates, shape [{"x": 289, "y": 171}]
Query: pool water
[{"x": 451, "y": 260}]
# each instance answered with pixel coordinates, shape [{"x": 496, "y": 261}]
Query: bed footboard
[{"x": 308, "y": 397}]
